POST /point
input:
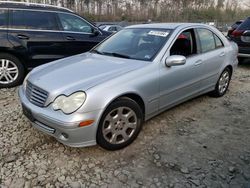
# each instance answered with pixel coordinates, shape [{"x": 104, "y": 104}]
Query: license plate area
[{"x": 27, "y": 112}]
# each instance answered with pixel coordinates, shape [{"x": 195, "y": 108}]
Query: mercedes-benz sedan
[{"x": 104, "y": 96}]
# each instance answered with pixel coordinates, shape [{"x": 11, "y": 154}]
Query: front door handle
[
  {"x": 22, "y": 37},
  {"x": 197, "y": 63},
  {"x": 70, "y": 38},
  {"x": 222, "y": 54}
]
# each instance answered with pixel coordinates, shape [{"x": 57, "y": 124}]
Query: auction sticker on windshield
[{"x": 159, "y": 33}]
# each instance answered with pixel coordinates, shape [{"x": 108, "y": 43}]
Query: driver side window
[
  {"x": 73, "y": 23},
  {"x": 185, "y": 44}
]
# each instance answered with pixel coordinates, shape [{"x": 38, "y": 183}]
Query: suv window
[
  {"x": 185, "y": 44},
  {"x": 73, "y": 23},
  {"x": 245, "y": 25},
  {"x": 113, "y": 28},
  {"x": 3, "y": 19},
  {"x": 33, "y": 20},
  {"x": 206, "y": 39}
]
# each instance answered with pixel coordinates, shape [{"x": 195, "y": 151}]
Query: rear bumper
[
  {"x": 244, "y": 51},
  {"x": 243, "y": 55},
  {"x": 63, "y": 127}
]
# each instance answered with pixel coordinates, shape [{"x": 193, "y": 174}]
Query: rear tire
[
  {"x": 120, "y": 124},
  {"x": 222, "y": 84},
  {"x": 11, "y": 71}
]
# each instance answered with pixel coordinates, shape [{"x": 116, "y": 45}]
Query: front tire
[
  {"x": 222, "y": 84},
  {"x": 120, "y": 124},
  {"x": 11, "y": 71}
]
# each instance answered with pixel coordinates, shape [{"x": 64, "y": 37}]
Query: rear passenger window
[
  {"x": 3, "y": 18},
  {"x": 207, "y": 40},
  {"x": 33, "y": 20},
  {"x": 218, "y": 42}
]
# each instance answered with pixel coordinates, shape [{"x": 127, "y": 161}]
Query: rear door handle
[
  {"x": 197, "y": 63},
  {"x": 70, "y": 38},
  {"x": 222, "y": 54},
  {"x": 22, "y": 37}
]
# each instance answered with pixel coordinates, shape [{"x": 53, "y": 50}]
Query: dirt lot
[{"x": 202, "y": 143}]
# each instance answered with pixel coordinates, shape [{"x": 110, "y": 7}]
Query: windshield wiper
[
  {"x": 111, "y": 54},
  {"x": 120, "y": 55},
  {"x": 116, "y": 55},
  {"x": 97, "y": 52}
]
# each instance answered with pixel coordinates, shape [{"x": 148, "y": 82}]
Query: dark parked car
[
  {"x": 233, "y": 27},
  {"x": 34, "y": 34},
  {"x": 241, "y": 36},
  {"x": 111, "y": 28}
]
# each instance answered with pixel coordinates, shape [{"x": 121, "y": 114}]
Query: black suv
[
  {"x": 233, "y": 27},
  {"x": 241, "y": 36},
  {"x": 34, "y": 34}
]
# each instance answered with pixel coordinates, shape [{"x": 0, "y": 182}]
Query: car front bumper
[{"x": 65, "y": 128}]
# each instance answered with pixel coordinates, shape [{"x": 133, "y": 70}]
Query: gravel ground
[{"x": 202, "y": 143}]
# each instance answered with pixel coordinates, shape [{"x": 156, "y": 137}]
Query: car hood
[{"x": 80, "y": 72}]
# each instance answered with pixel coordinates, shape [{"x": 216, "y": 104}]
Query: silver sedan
[{"x": 104, "y": 96}]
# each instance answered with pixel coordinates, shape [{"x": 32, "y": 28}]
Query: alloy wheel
[
  {"x": 224, "y": 82},
  {"x": 8, "y": 71},
  {"x": 119, "y": 125}
]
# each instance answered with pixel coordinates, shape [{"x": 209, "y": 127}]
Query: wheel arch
[
  {"x": 18, "y": 56},
  {"x": 130, "y": 95},
  {"x": 230, "y": 67}
]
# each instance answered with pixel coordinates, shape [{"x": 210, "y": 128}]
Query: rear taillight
[
  {"x": 237, "y": 33},
  {"x": 230, "y": 31}
]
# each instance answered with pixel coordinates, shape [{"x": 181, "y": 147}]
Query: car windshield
[{"x": 139, "y": 44}]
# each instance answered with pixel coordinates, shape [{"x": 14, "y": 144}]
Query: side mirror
[
  {"x": 95, "y": 32},
  {"x": 175, "y": 60},
  {"x": 247, "y": 33}
]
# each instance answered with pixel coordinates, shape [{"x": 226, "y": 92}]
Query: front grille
[{"x": 36, "y": 95}]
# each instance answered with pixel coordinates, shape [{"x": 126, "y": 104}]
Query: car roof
[
  {"x": 239, "y": 21},
  {"x": 35, "y": 6},
  {"x": 166, "y": 25}
]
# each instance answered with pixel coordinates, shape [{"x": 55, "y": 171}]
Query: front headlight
[
  {"x": 25, "y": 81},
  {"x": 69, "y": 104}
]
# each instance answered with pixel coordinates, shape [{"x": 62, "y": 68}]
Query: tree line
[{"x": 157, "y": 10}]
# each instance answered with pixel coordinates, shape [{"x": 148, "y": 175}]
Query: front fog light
[
  {"x": 64, "y": 136},
  {"x": 69, "y": 104}
]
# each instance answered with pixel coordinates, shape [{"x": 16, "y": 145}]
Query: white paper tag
[{"x": 159, "y": 33}]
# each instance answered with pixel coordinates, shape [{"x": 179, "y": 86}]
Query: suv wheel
[
  {"x": 11, "y": 71},
  {"x": 120, "y": 124}
]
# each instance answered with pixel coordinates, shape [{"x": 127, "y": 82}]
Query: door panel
[
  {"x": 78, "y": 34},
  {"x": 214, "y": 56},
  {"x": 36, "y": 33},
  {"x": 41, "y": 47},
  {"x": 76, "y": 43},
  {"x": 212, "y": 65},
  {"x": 180, "y": 82}
]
